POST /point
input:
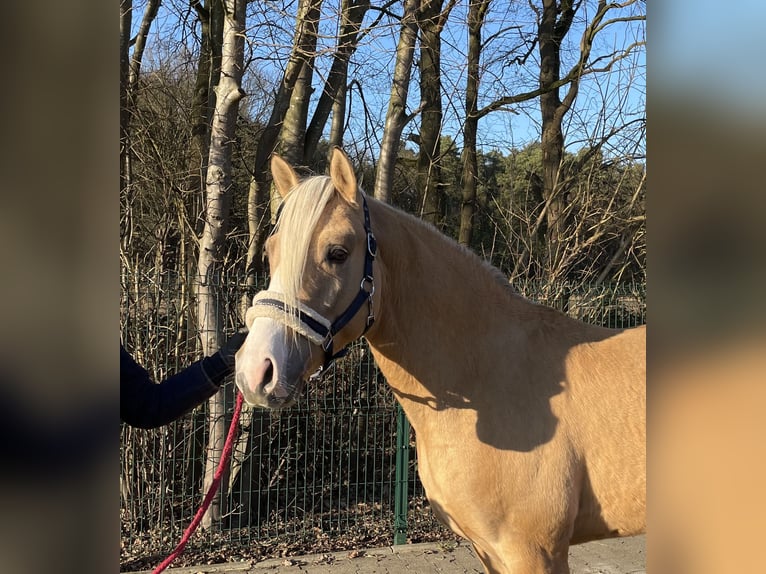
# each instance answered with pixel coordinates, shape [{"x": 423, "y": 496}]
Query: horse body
[
  {"x": 527, "y": 421},
  {"x": 530, "y": 425}
]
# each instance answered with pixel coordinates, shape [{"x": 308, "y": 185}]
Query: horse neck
[{"x": 437, "y": 299}]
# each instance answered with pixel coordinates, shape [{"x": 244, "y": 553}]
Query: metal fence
[{"x": 322, "y": 474}]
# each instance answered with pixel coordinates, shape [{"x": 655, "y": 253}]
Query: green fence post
[{"x": 401, "y": 494}]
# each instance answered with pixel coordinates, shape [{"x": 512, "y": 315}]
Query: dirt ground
[{"x": 615, "y": 556}]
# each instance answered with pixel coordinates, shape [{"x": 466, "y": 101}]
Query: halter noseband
[{"x": 313, "y": 325}]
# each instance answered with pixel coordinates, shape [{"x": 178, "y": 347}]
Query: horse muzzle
[
  {"x": 260, "y": 389},
  {"x": 271, "y": 373}
]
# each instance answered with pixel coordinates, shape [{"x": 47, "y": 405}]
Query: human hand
[{"x": 230, "y": 347}]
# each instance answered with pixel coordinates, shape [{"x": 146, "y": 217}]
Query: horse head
[{"x": 320, "y": 296}]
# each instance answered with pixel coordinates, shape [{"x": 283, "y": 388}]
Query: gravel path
[{"x": 615, "y": 556}]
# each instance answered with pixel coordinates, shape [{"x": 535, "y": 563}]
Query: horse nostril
[{"x": 268, "y": 375}]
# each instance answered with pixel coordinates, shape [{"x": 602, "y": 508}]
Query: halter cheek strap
[
  {"x": 313, "y": 325},
  {"x": 366, "y": 287}
]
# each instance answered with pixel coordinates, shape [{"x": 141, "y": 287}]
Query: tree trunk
[
  {"x": 555, "y": 21},
  {"x": 429, "y": 173},
  {"x": 133, "y": 63},
  {"x": 477, "y": 9},
  {"x": 397, "y": 104},
  {"x": 150, "y": 13},
  {"x": 126, "y": 18},
  {"x": 338, "y": 124},
  {"x": 126, "y": 13},
  {"x": 259, "y": 196},
  {"x": 293, "y": 134},
  {"x": 208, "y": 70},
  {"x": 130, "y": 68},
  {"x": 210, "y": 313},
  {"x": 292, "y": 137},
  {"x": 203, "y": 99},
  {"x": 334, "y": 92}
]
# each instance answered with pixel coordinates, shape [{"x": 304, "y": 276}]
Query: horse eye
[{"x": 337, "y": 254}]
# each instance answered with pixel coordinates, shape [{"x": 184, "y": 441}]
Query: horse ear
[
  {"x": 342, "y": 175},
  {"x": 284, "y": 176}
]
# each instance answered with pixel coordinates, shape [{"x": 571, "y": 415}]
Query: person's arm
[{"x": 146, "y": 404}]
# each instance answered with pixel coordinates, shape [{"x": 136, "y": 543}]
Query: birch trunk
[
  {"x": 192, "y": 205},
  {"x": 210, "y": 314}
]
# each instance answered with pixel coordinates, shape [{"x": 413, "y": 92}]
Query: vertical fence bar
[{"x": 401, "y": 492}]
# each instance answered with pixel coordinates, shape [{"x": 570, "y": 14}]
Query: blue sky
[{"x": 270, "y": 33}]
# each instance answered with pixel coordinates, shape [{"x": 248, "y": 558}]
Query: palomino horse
[{"x": 530, "y": 425}]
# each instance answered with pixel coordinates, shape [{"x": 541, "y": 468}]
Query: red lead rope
[{"x": 210, "y": 493}]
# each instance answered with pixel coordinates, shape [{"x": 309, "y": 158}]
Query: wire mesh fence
[{"x": 321, "y": 475}]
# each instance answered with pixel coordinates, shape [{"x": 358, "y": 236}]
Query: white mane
[{"x": 300, "y": 213}]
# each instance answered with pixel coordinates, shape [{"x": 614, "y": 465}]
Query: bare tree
[
  {"x": 217, "y": 205},
  {"x": 258, "y": 199},
  {"x": 287, "y": 127},
  {"x": 333, "y": 96},
  {"x": 396, "y": 116},
  {"x": 293, "y": 133},
  {"x": 150, "y": 13},
  {"x": 477, "y": 10},
  {"x": 555, "y": 21},
  {"x": 431, "y": 21},
  {"x": 126, "y": 18},
  {"x": 130, "y": 67},
  {"x": 211, "y": 17}
]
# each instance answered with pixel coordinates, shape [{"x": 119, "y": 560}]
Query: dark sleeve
[{"x": 146, "y": 404}]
